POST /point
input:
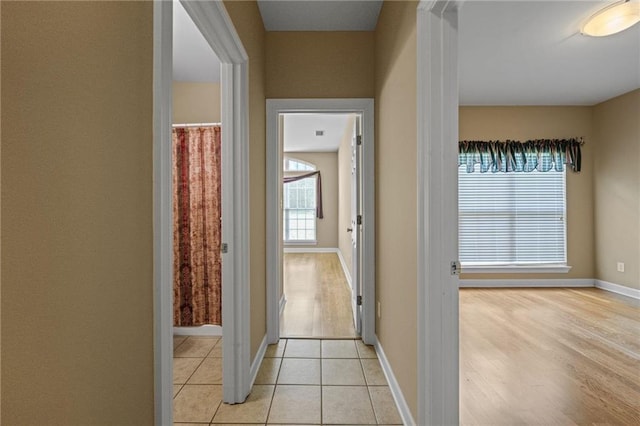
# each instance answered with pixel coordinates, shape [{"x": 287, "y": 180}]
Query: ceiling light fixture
[{"x": 613, "y": 19}]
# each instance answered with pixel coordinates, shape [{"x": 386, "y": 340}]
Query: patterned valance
[{"x": 513, "y": 156}]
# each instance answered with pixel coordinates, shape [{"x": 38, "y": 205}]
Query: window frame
[{"x": 311, "y": 167}]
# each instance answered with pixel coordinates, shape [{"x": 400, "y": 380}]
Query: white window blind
[{"x": 512, "y": 218}]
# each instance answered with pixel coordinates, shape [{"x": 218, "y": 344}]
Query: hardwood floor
[
  {"x": 549, "y": 356},
  {"x": 318, "y": 297}
]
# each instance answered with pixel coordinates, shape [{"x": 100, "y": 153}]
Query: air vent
[{"x": 319, "y": 132}]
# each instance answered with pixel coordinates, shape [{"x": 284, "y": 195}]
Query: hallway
[{"x": 300, "y": 382}]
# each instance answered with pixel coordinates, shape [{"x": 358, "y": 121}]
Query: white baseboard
[
  {"x": 491, "y": 283},
  {"x": 310, "y": 250},
  {"x": 201, "y": 330},
  {"x": 345, "y": 268},
  {"x": 540, "y": 283},
  {"x": 398, "y": 396},
  {"x": 257, "y": 361},
  {"x": 283, "y": 301},
  {"x": 617, "y": 288}
]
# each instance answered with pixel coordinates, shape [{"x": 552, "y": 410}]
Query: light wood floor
[
  {"x": 549, "y": 356},
  {"x": 318, "y": 297}
]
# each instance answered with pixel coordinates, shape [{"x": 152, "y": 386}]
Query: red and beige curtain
[{"x": 197, "y": 273}]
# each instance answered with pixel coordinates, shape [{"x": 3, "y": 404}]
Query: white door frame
[
  {"x": 356, "y": 230},
  {"x": 212, "y": 20},
  {"x": 274, "y": 183},
  {"x": 437, "y": 112}
]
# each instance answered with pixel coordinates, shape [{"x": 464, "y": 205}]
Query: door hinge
[
  {"x": 359, "y": 140},
  {"x": 359, "y": 219},
  {"x": 455, "y": 267},
  {"x": 359, "y": 300},
  {"x": 224, "y": 248}
]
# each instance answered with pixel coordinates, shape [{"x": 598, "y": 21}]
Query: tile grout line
[
  {"x": 180, "y": 344},
  {"x": 275, "y": 383},
  {"x": 214, "y": 346},
  {"x": 215, "y": 412},
  {"x": 375, "y": 415},
  {"x": 200, "y": 364},
  {"x": 192, "y": 373},
  {"x": 321, "y": 384},
  {"x": 219, "y": 403},
  {"x": 179, "y": 390}
]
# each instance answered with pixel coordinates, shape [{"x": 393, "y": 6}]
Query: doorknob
[{"x": 349, "y": 229}]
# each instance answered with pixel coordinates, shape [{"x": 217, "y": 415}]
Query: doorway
[
  {"x": 215, "y": 25},
  {"x": 196, "y": 140},
  {"x": 320, "y": 239},
  {"x": 285, "y": 226}
]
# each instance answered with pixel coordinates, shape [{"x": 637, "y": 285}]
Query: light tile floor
[{"x": 301, "y": 382}]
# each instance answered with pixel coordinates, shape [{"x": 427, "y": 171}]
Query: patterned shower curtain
[{"x": 197, "y": 273}]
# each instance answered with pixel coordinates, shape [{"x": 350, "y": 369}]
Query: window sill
[
  {"x": 301, "y": 243},
  {"x": 515, "y": 269}
]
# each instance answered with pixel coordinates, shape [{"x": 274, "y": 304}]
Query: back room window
[
  {"x": 512, "y": 218},
  {"x": 299, "y": 204}
]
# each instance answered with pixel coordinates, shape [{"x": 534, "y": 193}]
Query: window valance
[{"x": 513, "y": 156}]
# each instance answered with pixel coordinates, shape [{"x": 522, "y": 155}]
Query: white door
[{"x": 356, "y": 226}]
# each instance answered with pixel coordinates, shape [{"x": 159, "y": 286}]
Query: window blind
[{"x": 512, "y": 218}]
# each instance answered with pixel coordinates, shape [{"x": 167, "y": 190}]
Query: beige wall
[
  {"x": 327, "y": 164},
  {"x": 248, "y": 22},
  {"x": 77, "y": 296},
  {"x": 344, "y": 194},
  {"x": 0, "y": 226},
  {"x": 617, "y": 189},
  {"x": 523, "y": 123},
  {"x": 195, "y": 102},
  {"x": 396, "y": 224},
  {"x": 319, "y": 64}
]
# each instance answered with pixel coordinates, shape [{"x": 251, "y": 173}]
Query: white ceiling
[
  {"x": 326, "y": 15},
  {"x": 511, "y": 52},
  {"x": 193, "y": 58},
  {"x": 300, "y": 132},
  {"x": 532, "y": 53}
]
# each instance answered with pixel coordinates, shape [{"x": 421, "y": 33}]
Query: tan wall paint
[
  {"x": 396, "y": 178},
  {"x": 617, "y": 189},
  {"x": 0, "y": 222},
  {"x": 327, "y": 228},
  {"x": 523, "y": 123},
  {"x": 195, "y": 102},
  {"x": 344, "y": 194},
  {"x": 77, "y": 212},
  {"x": 248, "y": 22},
  {"x": 319, "y": 64}
]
